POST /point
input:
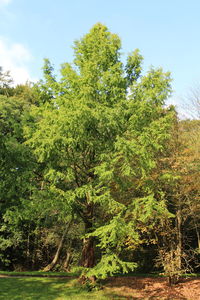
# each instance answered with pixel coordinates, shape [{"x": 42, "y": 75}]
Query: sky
[{"x": 166, "y": 32}]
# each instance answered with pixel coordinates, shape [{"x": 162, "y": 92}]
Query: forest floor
[
  {"x": 149, "y": 288},
  {"x": 119, "y": 288}
]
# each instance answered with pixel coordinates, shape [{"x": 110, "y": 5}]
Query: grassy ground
[
  {"x": 46, "y": 289},
  {"x": 131, "y": 287},
  {"x": 39, "y": 274}
]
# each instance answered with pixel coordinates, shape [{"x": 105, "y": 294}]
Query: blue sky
[{"x": 166, "y": 32}]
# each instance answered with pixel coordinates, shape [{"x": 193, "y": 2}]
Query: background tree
[
  {"x": 15, "y": 163},
  {"x": 178, "y": 175},
  {"x": 6, "y": 83}
]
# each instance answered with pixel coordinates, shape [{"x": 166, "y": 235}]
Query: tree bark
[
  {"x": 50, "y": 266},
  {"x": 67, "y": 261},
  {"x": 87, "y": 257},
  {"x": 179, "y": 238}
]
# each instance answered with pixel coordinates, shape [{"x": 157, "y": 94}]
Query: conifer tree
[{"x": 99, "y": 134}]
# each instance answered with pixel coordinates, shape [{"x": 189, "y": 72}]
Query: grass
[
  {"x": 31, "y": 287},
  {"x": 47, "y": 288},
  {"x": 38, "y": 274}
]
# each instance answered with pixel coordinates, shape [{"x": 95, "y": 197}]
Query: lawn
[
  {"x": 28, "y": 288},
  {"x": 120, "y": 287}
]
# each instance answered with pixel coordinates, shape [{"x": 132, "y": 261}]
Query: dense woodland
[{"x": 96, "y": 172}]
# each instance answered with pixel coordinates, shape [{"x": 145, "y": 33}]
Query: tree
[
  {"x": 5, "y": 82},
  {"x": 192, "y": 104},
  {"x": 189, "y": 160},
  {"x": 99, "y": 133},
  {"x": 16, "y": 164},
  {"x": 178, "y": 178}
]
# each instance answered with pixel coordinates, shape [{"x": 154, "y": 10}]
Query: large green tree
[{"x": 99, "y": 131}]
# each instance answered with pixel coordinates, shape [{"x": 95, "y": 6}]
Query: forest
[{"x": 97, "y": 174}]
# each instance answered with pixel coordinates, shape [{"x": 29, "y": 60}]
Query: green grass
[
  {"x": 42, "y": 288},
  {"x": 47, "y": 289},
  {"x": 38, "y": 273}
]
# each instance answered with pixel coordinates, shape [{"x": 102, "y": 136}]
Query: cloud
[
  {"x": 14, "y": 57},
  {"x": 5, "y": 2}
]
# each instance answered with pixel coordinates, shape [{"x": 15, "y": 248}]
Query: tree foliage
[
  {"x": 94, "y": 166},
  {"x": 99, "y": 136}
]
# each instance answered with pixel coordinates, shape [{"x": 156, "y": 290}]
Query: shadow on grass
[{"x": 43, "y": 289}]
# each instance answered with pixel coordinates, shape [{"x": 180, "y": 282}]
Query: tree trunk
[
  {"x": 198, "y": 238},
  {"x": 67, "y": 261},
  {"x": 195, "y": 221},
  {"x": 179, "y": 238},
  {"x": 197, "y": 231},
  {"x": 87, "y": 257},
  {"x": 56, "y": 257},
  {"x": 176, "y": 252}
]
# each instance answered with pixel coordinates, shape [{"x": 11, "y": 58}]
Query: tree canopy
[{"x": 99, "y": 135}]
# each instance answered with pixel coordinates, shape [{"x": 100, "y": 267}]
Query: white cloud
[
  {"x": 14, "y": 57},
  {"x": 5, "y": 2}
]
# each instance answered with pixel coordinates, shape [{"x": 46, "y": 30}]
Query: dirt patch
[{"x": 143, "y": 288}]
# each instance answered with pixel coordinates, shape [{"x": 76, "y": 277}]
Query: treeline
[{"x": 96, "y": 172}]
